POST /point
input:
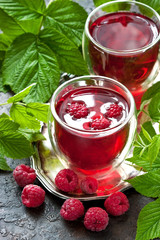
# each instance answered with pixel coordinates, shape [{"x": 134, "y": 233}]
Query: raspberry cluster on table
[{"x": 95, "y": 219}]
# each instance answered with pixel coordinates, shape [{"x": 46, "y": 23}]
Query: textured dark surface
[{"x": 19, "y": 223}]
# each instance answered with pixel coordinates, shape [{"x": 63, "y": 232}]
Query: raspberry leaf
[
  {"x": 38, "y": 110},
  {"x": 67, "y": 17},
  {"x": 142, "y": 163},
  {"x": 146, "y": 134},
  {"x": 12, "y": 143},
  {"x": 20, "y": 96},
  {"x": 154, "y": 108},
  {"x": 4, "y": 43},
  {"x": 68, "y": 55},
  {"x": 32, "y": 135},
  {"x": 154, "y": 148},
  {"x": 148, "y": 225},
  {"x": 27, "y": 14},
  {"x": 99, "y": 2},
  {"x": 22, "y": 9},
  {"x": 19, "y": 114},
  {"x": 4, "y": 115},
  {"x": 28, "y": 61},
  {"x": 9, "y": 26},
  {"x": 147, "y": 184},
  {"x": 145, "y": 141},
  {"x": 151, "y": 92},
  {"x": 3, "y": 88},
  {"x": 7, "y": 125},
  {"x": 3, "y": 164},
  {"x": 152, "y": 3}
]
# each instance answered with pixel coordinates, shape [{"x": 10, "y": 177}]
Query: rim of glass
[
  {"x": 94, "y": 77},
  {"x": 123, "y": 52}
]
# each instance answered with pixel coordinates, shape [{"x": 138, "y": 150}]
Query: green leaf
[
  {"x": 4, "y": 42},
  {"x": 154, "y": 107},
  {"x": 142, "y": 142},
  {"x": 7, "y": 125},
  {"x": 20, "y": 96},
  {"x": 4, "y": 115},
  {"x": 28, "y": 61},
  {"x": 149, "y": 128},
  {"x": 147, "y": 131},
  {"x": 146, "y": 134},
  {"x": 9, "y": 26},
  {"x": 31, "y": 26},
  {"x": 12, "y": 143},
  {"x": 19, "y": 114},
  {"x": 68, "y": 55},
  {"x": 26, "y": 15},
  {"x": 38, "y": 110},
  {"x": 99, "y": 2},
  {"x": 142, "y": 161},
  {"x": 22, "y": 9},
  {"x": 154, "y": 148},
  {"x": 147, "y": 184},
  {"x": 151, "y": 92},
  {"x": 15, "y": 145},
  {"x": 152, "y": 3},
  {"x": 148, "y": 225},
  {"x": 3, "y": 88},
  {"x": 2, "y": 56},
  {"x": 31, "y": 135},
  {"x": 3, "y": 164},
  {"x": 67, "y": 17}
]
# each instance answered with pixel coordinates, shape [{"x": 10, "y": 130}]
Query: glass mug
[
  {"x": 121, "y": 41},
  {"x": 78, "y": 144}
]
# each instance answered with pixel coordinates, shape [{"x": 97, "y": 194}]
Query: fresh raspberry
[
  {"x": 96, "y": 219},
  {"x": 24, "y": 175},
  {"x": 89, "y": 185},
  {"x": 114, "y": 110},
  {"x": 32, "y": 196},
  {"x": 77, "y": 109},
  {"x": 72, "y": 209},
  {"x": 116, "y": 204},
  {"x": 66, "y": 180},
  {"x": 99, "y": 124}
]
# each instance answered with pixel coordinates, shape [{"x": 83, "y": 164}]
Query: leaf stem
[
  {"x": 20, "y": 103},
  {"x": 3, "y": 104}
]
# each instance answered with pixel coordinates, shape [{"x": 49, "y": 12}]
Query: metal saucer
[{"x": 46, "y": 165}]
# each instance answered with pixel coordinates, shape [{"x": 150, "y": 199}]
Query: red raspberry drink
[
  {"x": 92, "y": 126},
  {"x": 123, "y": 45},
  {"x": 90, "y": 153}
]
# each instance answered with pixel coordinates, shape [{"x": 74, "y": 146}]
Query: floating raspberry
[
  {"x": 66, "y": 180},
  {"x": 86, "y": 126},
  {"x": 72, "y": 209},
  {"x": 89, "y": 185},
  {"x": 116, "y": 204},
  {"x": 99, "y": 124},
  {"x": 32, "y": 196},
  {"x": 24, "y": 175},
  {"x": 96, "y": 219},
  {"x": 114, "y": 110},
  {"x": 77, "y": 109}
]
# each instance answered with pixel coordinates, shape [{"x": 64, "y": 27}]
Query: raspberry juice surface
[
  {"x": 123, "y": 45},
  {"x": 96, "y": 113}
]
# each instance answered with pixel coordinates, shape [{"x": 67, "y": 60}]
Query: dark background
[{"x": 45, "y": 223}]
